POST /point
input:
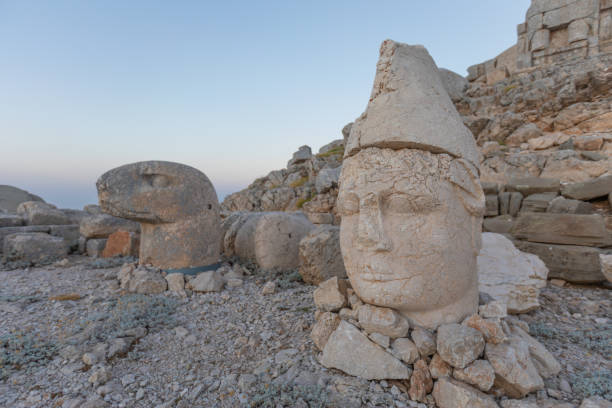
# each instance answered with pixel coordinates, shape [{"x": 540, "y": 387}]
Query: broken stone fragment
[
  {"x": 449, "y": 393},
  {"x": 323, "y": 328},
  {"x": 424, "y": 340},
  {"x": 209, "y": 281},
  {"x": 176, "y": 283},
  {"x": 350, "y": 350},
  {"x": 459, "y": 345},
  {"x": 439, "y": 368},
  {"x": 421, "y": 383},
  {"x": 330, "y": 296},
  {"x": 374, "y": 319},
  {"x": 479, "y": 374},
  {"x": 405, "y": 350},
  {"x": 546, "y": 364},
  {"x": 491, "y": 329},
  {"x": 147, "y": 281}
]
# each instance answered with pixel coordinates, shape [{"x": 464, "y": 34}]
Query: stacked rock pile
[
  {"x": 558, "y": 222},
  {"x": 487, "y": 356}
]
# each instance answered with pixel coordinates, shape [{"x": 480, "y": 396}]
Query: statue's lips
[
  {"x": 384, "y": 270},
  {"x": 113, "y": 209}
]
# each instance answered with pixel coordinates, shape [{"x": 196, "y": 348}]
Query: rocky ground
[{"x": 240, "y": 347}]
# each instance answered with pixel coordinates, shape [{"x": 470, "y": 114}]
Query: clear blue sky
[{"x": 232, "y": 88}]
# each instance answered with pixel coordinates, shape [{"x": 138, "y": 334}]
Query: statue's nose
[{"x": 370, "y": 230}]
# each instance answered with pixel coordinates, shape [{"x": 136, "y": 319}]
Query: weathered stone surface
[
  {"x": 424, "y": 340},
  {"x": 479, "y": 374},
  {"x": 588, "y": 142},
  {"x": 408, "y": 90},
  {"x": 95, "y": 247},
  {"x": 490, "y": 188},
  {"x": 380, "y": 339},
  {"x": 103, "y": 225},
  {"x": 606, "y": 266},
  {"x": 491, "y": 205},
  {"x": 6, "y": 231},
  {"x": 374, "y": 319},
  {"x": 320, "y": 256},
  {"x": 300, "y": 156},
  {"x": 439, "y": 368},
  {"x": 323, "y": 328},
  {"x": 147, "y": 282},
  {"x": 599, "y": 187},
  {"x": 491, "y": 329},
  {"x": 421, "y": 383},
  {"x": 454, "y": 84},
  {"x": 533, "y": 185},
  {"x": 579, "y": 264},
  {"x": 508, "y": 275},
  {"x": 405, "y": 350},
  {"x": 569, "y": 229},
  {"x": 40, "y": 213},
  {"x": 402, "y": 213},
  {"x": 122, "y": 243},
  {"x": 540, "y": 40},
  {"x": 561, "y": 205},
  {"x": 349, "y": 350},
  {"x": 459, "y": 345},
  {"x": 10, "y": 220},
  {"x": 516, "y": 199},
  {"x": 210, "y": 281},
  {"x": 525, "y": 133},
  {"x": 330, "y": 296},
  {"x": 500, "y": 225},
  {"x": 537, "y": 202},
  {"x": 449, "y": 393},
  {"x": 327, "y": 179},
  {"x": 595, "y": 402},
  {"x": 546, "y": 364},
  {"x": 270, "y": 239},
  {"x": 11, "y": 197},
  {"x": 70, "y": 234},
  {"x": 75, "y": 216},
  {"x": 176, "y": 206},
  {"x": 494, "y": 309},
  {"x": 176, "y": 283},
  {"x": 34, "y": 247},
  {"x": 320, "y": 218},
  {"x": 515, "y": 373}
]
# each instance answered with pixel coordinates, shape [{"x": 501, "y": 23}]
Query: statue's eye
[{"x": 159, "y": 180}]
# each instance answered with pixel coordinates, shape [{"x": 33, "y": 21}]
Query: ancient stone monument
[
  {"x": 177, "y": 208},
  {"x": 410, "y": 197}
]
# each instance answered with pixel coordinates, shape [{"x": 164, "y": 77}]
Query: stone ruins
[{"x": 452, "y": 249}]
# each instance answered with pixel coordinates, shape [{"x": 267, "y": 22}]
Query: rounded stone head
[
  {"x": 156, "y": 192},
  {"x": 410, "y": 232},
  {"x": 176, "y": 206}
]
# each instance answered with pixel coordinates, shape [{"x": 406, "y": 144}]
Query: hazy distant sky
[{"x": 232, "y": 88}]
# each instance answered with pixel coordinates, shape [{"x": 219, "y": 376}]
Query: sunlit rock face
[
  {"x": 176, "y": 206},
  {"x": 410, "y": 197}
]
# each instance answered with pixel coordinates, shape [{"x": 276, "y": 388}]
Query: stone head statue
[
  {"x": 410, "y": 197},
  {"x": 176, "y": 206}
]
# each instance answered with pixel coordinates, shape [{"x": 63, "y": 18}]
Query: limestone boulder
[
  {"x": 606, "y": 266},
  {"x": 546, "y": 364},
  {"x": 454, "y": 84},
  {"x": 562, "y": 205},
  {"x": 509, "y": 275},
  {"x": 533, "y": 185},
  {"x": 537, "y": 202},
  {"x": 565, "y": 229},
  {"x": 325, "y": 325},
  {"x": 449, "y": 393},
  {"x": 103, "y": 225},
  {"x": 122, "y": 243},
  {"x": 587, "y": 190},
  {"x": 210, "y": 281},
  {"x": 479, "y": 374},
  {"x": 11, "y": 197},
  {"x": 491, "y": 329},
  {"x": 40, "y": 213},
  {"x": 439, "y": 368},
  {"x": 459, "y": 345},
  {"x": 330, "y": 296},
  {"x": 95, "y": 246},
  {"x": 572, "y": 263},
  {"x": 35, "y": 247},
  {"x": 501, "y": 224},
  {"x": 350, "y": 351},
  {"x": 374, "y": 319},
  {"x": 6, "y": 231},
  {"x": 70, "y": 234},
  {"x": 424, "y": 340},
  {"x": 10, "y": 220},
  {"x": 320, "y": 256},
  {"x": 405, "y": 350},
  {"x": 147, "y": 282},
  {"x": 421, "y": 382},
  {"x": 327, "y": 179}
]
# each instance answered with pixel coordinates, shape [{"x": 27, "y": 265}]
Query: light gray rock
[
  {"x": 10, "y": 220},
  {"x": 459, "y": 345},
  {"x": 11, "y": 197},
  {"x": 334, "y": 145},
  {"x": 587, "y": 190},
  {"x": 405, "y": 350},
  {"x": 424, "y": 340},
  {"x": 346, "y": 131},
  {"x": 327, "y": 179},
  {"x": 323, "y": 328},
  {"x": 320, "y": 256},
  {"x": 578, "y": 264},
  {"x": 92, "y": 209},
  {"x": 492, "y": 205},
  {"x": 479, "y": 374},
  {"x": 537, "y": 202},
  {"x": 501, "y": 224},
  {"x": 176, "y": 206},
  {"x": 374, "y": 319},
  {"x": 211, "y": 281},
  {"x": 523, "y": 134},
  {"x": 516, "y": 199},
  {"x": 75, "y": 216},
  {"x": 70, "y": 234},
  {"x": 95, "y": 247},
  {"x": 606, "y": 266},
  {"x": 6, "y": 231},
  {"x": 454, "y": 84},
  {"x": 449, "y": 393},
  {"x": 540, "y": 40},
  {"x": 565, "y": 229},
  {"x": 303, "y": 153},
  {"x": 562, "y": 205},
  {"x": 408, "y": 89},
  {"x": 560, "y": 16},
  {"x": 349, "y": 350},
  {"x": 490, "y": 188},
  {"x": 533, "y": 185},
  {"x": 39, "y": 213},
  {"x": 34, "y": 247},
  {"x": 103, "y": 225},
  {"x": 147, "y": 282},
  {"x": 330, "y": 296},
  {"x": 595, "y": 402},
  {"x": 508, "y": 275},
  {"x": 546, "y": 364}
]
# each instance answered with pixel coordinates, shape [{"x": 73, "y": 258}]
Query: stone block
[
  {"x": 578, "y": 264},
  {"x": 320, "y": 256},
  {"x": 39, "y": 213},
  {"x": 34, "y": 247},
  {"x": 562, "y": 205},
  {"x": 374, "y": 319},
  {"x": 6, "y": 231},
  {"x": 564, "y": 15},
  {"x": 10, "y": 220},
  {"x": 450, "y": 393},
  {"x": 459, "y": 345},
  {"x": 70, "y": 234},
  {"x": 492, "y": 205},
  {"x": 330, "y": 296},
  {"x": 533, "y": 185},
  {"x": 490, "y": 188},
  {"x": 122, "y": 243},
  {"x": 587, "y": 190},
  {"x": 516, "y": 200},
  {"x": 540, "y": 40},
  {"x": 537, "y": 202},
  {"x": 564, "y": 229},
  {"x": 504, "y": 202},
  {"x": 606, "y": 266},
  {"x": 501, "y": 224},
  {"x": 578, "y": 30},
  {"x": 95, "y": 247},
  {"x": 103, "y": 225}
]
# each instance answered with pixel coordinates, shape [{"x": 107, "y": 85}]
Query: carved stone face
[{"x": 410, "y": 233}]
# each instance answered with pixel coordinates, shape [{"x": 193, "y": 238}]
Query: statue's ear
[{"x": 464, "y": 178}]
